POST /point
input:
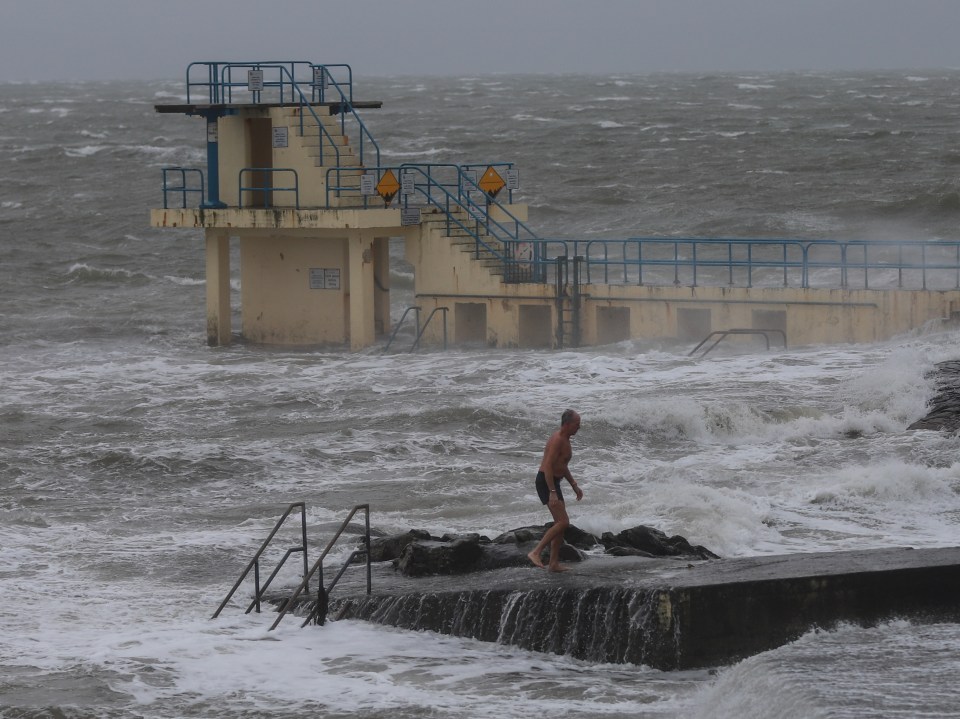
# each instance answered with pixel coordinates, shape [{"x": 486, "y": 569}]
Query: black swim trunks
[{"x": 544, "y": 491}]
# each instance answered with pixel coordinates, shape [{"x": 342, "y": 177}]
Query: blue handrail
[
  {"x": 454, "y": 188},
  {"x": 772, "y": 262},
  {"x": 268, "y": 189},
  {"x": 284, "y": 82},
  {"x": 184, "y": 187}
]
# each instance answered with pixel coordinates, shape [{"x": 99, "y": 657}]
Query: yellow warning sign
[
  {"x": 491, "y": 182},
  {"x": 388, "y": 186}
]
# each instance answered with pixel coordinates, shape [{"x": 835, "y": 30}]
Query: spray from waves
[
  {"x": 888, "y": 484},
  {"x": 851, "y": 671},
  {"x": 802, "y": 399},
  {"x": 187, "y": 281},
  {"x": 416, "y": 675},
  {"x": 757, "y": 688},
  {"x": 83, "y": 272}
]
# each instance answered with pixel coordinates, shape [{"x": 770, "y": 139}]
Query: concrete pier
[{"x": 661, "y": 612}]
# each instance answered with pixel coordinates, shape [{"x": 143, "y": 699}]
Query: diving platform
[
  {"x": 329, "y": 108},
  {"x": 664, "y": 613},
  {"x": 295, "y": 187}
]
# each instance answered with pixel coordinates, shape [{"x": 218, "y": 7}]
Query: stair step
[
  {"x": 313, "y": 139},
  {"x": 329, "y": 159}
]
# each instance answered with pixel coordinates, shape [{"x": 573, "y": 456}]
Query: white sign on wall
[
  {"x": 407, "y": 181},
  {"x": 409, "y": 216},
  {"x": 320, "y": 77},
  {"x": 324, "y": 278},
  {"x": 280, "y": 136}
]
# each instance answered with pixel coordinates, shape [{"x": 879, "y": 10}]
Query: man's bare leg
[
  {"x": 535, "y": 554},
  {"x": 554, "y": 565},
  {"x": 553, "y": 537}
]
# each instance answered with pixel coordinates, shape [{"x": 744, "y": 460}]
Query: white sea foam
[{"x": 85, "y": 151}]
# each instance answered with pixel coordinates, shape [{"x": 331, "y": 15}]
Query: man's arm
[{"x": 573, "y": 483}]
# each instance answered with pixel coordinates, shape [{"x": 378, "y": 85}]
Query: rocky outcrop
[
  {"x": 416, "y": 553},
  {"x": 944, "y": 412},
  {"x": 648, "y": 542}
]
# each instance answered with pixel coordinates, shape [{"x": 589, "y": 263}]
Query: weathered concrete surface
[{"x": 665, "y": 613}]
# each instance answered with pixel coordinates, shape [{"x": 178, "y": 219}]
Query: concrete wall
[
  {"x": 807, "y": 316},
  {"x": 278, "y": 303},
  {"x": 247, "y": 140}
]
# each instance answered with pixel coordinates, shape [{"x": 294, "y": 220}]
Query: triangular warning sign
[
  {"x": 388, "y": 186},
  {"x": 491, "y": 182}
]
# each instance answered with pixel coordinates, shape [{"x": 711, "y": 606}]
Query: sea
[{"x": 140, "y": 469}]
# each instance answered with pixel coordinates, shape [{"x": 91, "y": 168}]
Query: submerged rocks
[{"x": 416, "y": 553}]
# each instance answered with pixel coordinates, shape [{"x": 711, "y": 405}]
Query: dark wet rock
[
  {"x": 647, "y": 541},
  {"x": 425, "y": 557},
  {"x": 416, "y": 553},
  {"x": 573, "y": 536},
  {"x": 944, "y": 406},
  {"x": 383, "y": 549},
  {"x": 468, "y": 553}
]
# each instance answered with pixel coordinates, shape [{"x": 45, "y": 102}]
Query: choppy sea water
[{"x": 140, "y": 469}]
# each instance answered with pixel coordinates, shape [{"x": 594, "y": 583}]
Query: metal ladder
[
  {"x": 568, "y": 300},
  {"x": 318, "y": 612}
]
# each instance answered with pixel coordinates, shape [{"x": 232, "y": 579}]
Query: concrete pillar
[
  {"x": 218, "y": 288},
  {"x": 381, "y": 276},
  {"x": 361, "y": 287}
]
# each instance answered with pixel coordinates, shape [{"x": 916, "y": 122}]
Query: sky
[{"x": 43, "y": 40}]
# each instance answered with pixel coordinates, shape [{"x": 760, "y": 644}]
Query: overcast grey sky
[{"x": 118, "y": 39}]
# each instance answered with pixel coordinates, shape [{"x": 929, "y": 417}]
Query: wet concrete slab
[{"x": 661, "y": 612}]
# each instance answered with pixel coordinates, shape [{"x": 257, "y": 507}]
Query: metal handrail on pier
[
  {"x": 444, "y": 310},
  {"x": 255, "y": 561},
  {"x": 319, "y": 611},
  {"x": 393, "y": 336},
  {"x": 723, "y": 334}
]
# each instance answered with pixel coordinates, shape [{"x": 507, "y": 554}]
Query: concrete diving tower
[{"x": 295, "y": 176}]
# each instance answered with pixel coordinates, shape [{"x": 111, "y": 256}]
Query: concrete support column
[
  {"x": 381, "y": 276},
  {"x": 361, "y": 288},
  {"x": 218, "y": 288}
]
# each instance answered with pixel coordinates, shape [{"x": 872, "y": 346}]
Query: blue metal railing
[
  {"x": 283, "y": 82},
  {"x": 454, "y": 189},
  {"x": 857, "y": 264},
  {"x": 184, "y": 187},
  {"x": 267, "y": 189}
]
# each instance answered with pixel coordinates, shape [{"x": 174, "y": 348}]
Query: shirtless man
[{"x": 553, "y": 467}]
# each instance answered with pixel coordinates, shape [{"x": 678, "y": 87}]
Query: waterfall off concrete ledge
[{"x": 664, "y": 613}]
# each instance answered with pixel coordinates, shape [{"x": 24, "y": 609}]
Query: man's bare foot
[
  {"x": 558, "y": 568},
  {"x": 535, "y": 558}
]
